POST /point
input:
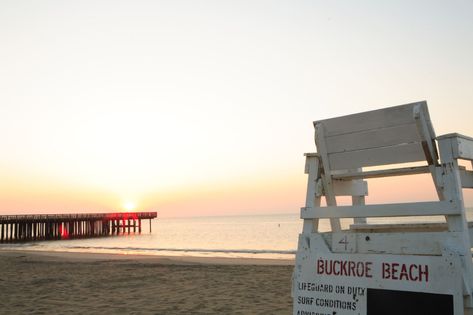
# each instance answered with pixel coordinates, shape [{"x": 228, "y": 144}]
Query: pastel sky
[{"x": 206, "y": 107}]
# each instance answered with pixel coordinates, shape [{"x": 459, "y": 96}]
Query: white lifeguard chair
[{"x": 383, "y": 269}]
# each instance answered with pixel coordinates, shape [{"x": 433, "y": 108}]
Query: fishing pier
[{"x": 19, "y": 228}]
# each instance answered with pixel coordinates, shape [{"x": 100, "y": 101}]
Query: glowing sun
[{"x": 129, "y": 206}]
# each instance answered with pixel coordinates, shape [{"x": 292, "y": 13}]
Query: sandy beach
[{"x": 84, "y": 283}]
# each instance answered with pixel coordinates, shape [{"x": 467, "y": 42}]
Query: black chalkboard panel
[{"x": 390, "y": 302}]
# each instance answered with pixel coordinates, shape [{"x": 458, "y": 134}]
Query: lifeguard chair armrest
[
  {"x": 383, "y": 173},
  {"x": 461, "y": 146},
  {"x": 383, "y": 210},
  {"x": 465, "y": 176},
  {"x": 347, "y": 187},
  {"x": 458, "y": 146}
]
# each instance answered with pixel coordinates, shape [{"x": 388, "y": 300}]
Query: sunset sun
[{"x": 129, "y": 206}]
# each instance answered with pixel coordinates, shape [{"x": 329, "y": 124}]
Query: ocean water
[{"x": 256, "y": 236}]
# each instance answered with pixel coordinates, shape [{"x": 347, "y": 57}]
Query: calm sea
[{"x": 256, "y": 236}]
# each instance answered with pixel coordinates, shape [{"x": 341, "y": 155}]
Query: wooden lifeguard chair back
[
  {"x": 393, "y": 135},
  {"x": 398, "y": 136}
]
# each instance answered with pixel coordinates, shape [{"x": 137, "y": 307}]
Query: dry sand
[{"x": 60, "y": 283}]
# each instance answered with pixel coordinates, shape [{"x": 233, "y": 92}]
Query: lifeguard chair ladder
[{"x": 423, "y": 268}]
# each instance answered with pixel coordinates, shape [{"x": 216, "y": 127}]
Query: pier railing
[{"x": 77, "y": 216}]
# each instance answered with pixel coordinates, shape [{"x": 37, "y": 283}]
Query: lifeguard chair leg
[
  {"x": 452, "y": 191},
  {"x": 312, "y": 168}
]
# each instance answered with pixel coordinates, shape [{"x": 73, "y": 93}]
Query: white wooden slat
[
  {"x": 403, "y": 227},
  {"x": 350, "y": 188},
  {"x": 400, "y": 227},
  {"x": 410, "y": 243},
  {"x": 380, "y": 156},
  {"x": 381, "y": 118},
  {"x": 382, "y": 210},
  {"x": 382, "y": 173},
  {"x": 374, "y": 138}
]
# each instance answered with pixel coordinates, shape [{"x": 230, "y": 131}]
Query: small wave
[
  {"x": 18, "y": 245},
  {"x": 191, "y": 250}
]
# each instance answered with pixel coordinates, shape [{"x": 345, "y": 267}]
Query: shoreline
[{"x": 156, "y": 259}]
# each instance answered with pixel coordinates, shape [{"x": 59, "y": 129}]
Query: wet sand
[{"x": 84, "y": 283}]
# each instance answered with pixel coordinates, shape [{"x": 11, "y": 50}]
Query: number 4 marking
[{"x": 344, "y": 241}]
